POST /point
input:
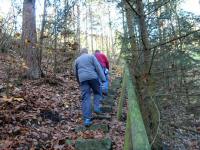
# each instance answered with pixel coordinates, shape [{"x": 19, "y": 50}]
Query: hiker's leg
[
  {"x": 86, "y": 103},
  {"x": 96, "y": 87}
]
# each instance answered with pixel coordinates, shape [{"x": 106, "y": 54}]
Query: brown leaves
[
  {"x": 20, "y": 115},
  {"x": 5, "y": 144},
  {"x": 98, "y": 134},
  {"x": 30, "y": 116},
  {"x": 17, "y": 130}
]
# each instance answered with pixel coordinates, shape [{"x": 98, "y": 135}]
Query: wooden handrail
[{"x": 135, "y": 137}]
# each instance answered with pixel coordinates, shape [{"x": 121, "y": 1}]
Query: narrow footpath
[{"x": 103, "y": 123}]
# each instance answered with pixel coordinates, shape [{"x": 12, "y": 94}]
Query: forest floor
[
  {"x": 179, "y": 109},
  {"x": 44, "y": 114},
  {"x": 179, "y": 126}
]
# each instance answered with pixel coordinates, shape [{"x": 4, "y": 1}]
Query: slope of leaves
[{"x": 42, "y": 114}]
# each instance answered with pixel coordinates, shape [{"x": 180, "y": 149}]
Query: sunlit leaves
[{"x": 10, "y": 99}]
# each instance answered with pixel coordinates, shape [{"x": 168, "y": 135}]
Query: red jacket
[{"x": 102, "y": 60}]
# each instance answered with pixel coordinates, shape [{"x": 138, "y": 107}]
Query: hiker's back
[{"x": 86, "y": 68}]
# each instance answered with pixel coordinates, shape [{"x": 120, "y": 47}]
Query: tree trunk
[
  {"x": 91, "y": 27},
  {"x": 78, "y": 36},
  {"x": 42, "y": 31},
  {"x": 55, "y": 40},
  {"x": 86, "y": 26},
  {"x": 111, "y": 35},
  {"x": 66, "y": 3},
  {"x": 144, "y": 35},
  {"x": 131, "y": 34},
  {"x": 158, "y": 21},
  {"x": 29, "y": 39},
  {"x": 107, "y": 46}
]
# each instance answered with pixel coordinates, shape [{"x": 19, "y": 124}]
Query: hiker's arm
[{"x": 75, "y": 68}]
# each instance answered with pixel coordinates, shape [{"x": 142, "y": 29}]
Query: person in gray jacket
[{"x": 88, "y": 72}]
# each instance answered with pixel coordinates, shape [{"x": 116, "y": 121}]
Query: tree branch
[
  {"x": 174, "y": 39},
  {"x": 127, "y": 1},
  {"x": 164, "y": 43}
]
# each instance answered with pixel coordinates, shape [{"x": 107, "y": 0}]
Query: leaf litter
[{"x": 43, "y": 115}]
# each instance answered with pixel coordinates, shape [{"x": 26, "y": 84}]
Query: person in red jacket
[{"x": 103, "y": 60}]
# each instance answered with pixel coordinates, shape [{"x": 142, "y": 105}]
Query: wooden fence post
[
  {"x": 128, "y": 139},
  {"x": 122, "y": 96}
]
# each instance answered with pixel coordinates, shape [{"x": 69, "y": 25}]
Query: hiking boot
[{"x": 87, "y": 122}]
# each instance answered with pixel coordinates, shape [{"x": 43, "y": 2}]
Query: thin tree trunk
[
  {"x": 78, "y": 27},
  {"x": 144, "y": 35},
  {"x": 107, "y": 46},
  {"x": 65, "y": 23},
  {"x": 86, "y": 22},
  {"x": 91, "y": 27},
  {"x": 101, "y": 36},
  {"x": 178, "y": 24},
  {"x": 129, "y": 19},
  {"x": 55, "y": 40},
  {"x": 42, "y": 31},
  {"x": 111, "y": 35},
  {"x": 74, "y": 22},
  {"x": 158, "y": 22}
]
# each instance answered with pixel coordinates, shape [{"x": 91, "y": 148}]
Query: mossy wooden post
[
  {"x": 122, "y": 96},
  {"x": 137, "y": 129},
  {"x": 128, "y": 139}
]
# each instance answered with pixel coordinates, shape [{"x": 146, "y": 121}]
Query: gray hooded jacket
[{"x": 86, "y": 67}]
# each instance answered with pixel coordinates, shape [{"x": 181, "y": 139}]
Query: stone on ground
[
  {"x": 102, "y": 116},
  {"x": 109, "y": 100},
  {"x": 106, "y": 108},
  {"x": 93, "y": 144}
]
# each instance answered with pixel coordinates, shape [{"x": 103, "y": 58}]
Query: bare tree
[{"x": 29, "y": 39}]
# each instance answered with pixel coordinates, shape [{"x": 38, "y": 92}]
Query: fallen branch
[{"x": 184, "y": 128}]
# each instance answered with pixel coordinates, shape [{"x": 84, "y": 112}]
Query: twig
[
  {"x": 184, "y": 128},
  {"x": 152, "y": 58}
]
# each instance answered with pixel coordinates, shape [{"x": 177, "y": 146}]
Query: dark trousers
[{"x": 86, "y": 87}]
